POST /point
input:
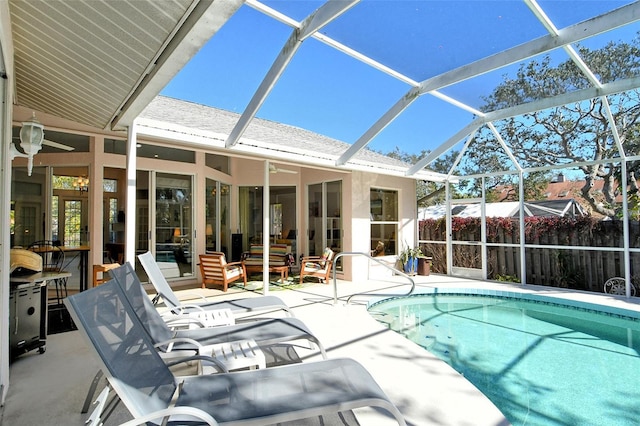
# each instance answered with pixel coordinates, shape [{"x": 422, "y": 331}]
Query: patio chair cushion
[
  {"x": 312, "y": 266},
  {"x": 234, "y": 271},
  {"x": 278, "y": 255},
  {"x": 317, "y": 266}
]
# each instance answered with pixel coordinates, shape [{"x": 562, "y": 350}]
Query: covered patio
[{"x": 95, "y": 69}]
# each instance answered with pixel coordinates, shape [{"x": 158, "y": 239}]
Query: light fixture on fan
[
  {"x": 31, "y": 137},
  {"x": 81, "y": 184}
]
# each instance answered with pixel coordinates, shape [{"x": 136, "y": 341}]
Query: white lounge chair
[
  {"x": 152, "y": 394},
  {"x": 237, "y": 306},
  {"x": 265, "y": 331}
]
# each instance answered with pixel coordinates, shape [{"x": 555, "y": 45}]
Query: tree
[
  {"x": 427, "y": 193},
  {"x": 535, "y": 184},
  {"x": 571, "y": 133}
]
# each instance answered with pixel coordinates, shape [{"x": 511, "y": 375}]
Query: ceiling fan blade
[
  {"x": 57, "y": 145},
  {"x": 287, "y": 171},
  {"x": 13, "y": 152},
  {"x": 274, "y": 169}
]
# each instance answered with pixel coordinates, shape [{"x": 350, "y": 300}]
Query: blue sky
[{"x": 328, "y": 92}]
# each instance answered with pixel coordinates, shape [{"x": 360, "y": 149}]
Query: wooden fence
[{"x": 559, "y": 267}]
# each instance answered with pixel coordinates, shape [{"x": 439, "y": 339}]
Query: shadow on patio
[{"x": 50, "y": 388}]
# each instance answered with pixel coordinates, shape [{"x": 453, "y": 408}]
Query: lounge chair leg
[{"x": 92, "y": 390}]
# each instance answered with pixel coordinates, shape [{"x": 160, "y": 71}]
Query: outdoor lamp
[
  {"x": 31, "y": 137},
  {"x": 209, "y": 233}
]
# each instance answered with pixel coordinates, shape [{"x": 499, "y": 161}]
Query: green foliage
[
  {"x": 633, "y": 207},
  {"x": 535, "y": 184},
  {"x": 507, "y": 278},
  {"x": 409, "y": 253},
  {"x": 427, "y": 193},
  {"x": 571, "y": 133}
]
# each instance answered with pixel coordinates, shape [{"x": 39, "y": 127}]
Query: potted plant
[{"x": 409, "y": 259}]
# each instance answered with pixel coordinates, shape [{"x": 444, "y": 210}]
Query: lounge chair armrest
[
  {"x": 169, "y": 343},
  {"x": 182, "y": 309},
  {"x": 207, "y": 358},
  {"x": 182, "y": 322},
  {"x": 196, "y": 413},
  {"x": 240, "y": 263}
]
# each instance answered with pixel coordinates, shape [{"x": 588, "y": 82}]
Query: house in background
[
  {"x": 194, "y": 195},
  {"x": 539, "y": 208}
]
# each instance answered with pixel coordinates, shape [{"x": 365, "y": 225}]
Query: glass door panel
[
  {"x": 173, "y": 228},
  {"x": 315, "y": 241},
  {"x": 325, "y": 218},
  {"x": 333, "y": 216},
  {"x": 143, "y": 235},
  {"x": 217, "y": 232}
]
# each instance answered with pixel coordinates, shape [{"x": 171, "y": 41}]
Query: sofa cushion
[
  {"x": 255, "y": 250},
  {"x": 278, "y": 255},
  {"x": 278, "y": 249}
]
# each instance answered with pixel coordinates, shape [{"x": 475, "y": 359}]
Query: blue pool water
[{"x": 541, "y": 363}]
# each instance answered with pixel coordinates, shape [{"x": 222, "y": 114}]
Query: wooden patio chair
[
  {"x": 216, "y": 271},
  {"x": 317, "y": 266}
]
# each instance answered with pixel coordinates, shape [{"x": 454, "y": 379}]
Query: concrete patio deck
[{"x": 50, "y": 388}]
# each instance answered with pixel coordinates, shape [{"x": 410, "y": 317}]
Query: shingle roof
[{"x": 275, "y": 137}]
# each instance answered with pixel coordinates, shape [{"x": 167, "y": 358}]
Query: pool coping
[{"x": 602, "y": 302}]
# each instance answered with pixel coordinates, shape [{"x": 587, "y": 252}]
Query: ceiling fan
[
  {"x": 47, "y": 142},
  {"x": 274, "y": 169},
  {"x": 30, "y": 149}
]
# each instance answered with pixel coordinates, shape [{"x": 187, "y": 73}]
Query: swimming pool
[{"x": 541, "y": 362}]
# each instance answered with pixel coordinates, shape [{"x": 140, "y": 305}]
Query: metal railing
[{"x": 381, "y": 262}]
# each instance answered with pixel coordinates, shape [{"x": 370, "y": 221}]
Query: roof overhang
[
  {"x": 100, "y": 63},
  {"x": 251, "y": 148}
]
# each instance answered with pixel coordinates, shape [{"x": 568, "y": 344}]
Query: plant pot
[
  {"x": 424, "y": 265},
  {"x": 411, "y": 266}
]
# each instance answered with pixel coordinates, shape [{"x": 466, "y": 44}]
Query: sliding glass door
[
  {"x": 167, "y": 228},
  {"x": 325, "y": 218}
]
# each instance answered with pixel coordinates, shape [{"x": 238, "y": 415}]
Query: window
[
  {"x": 110, "y": 185},
  {"x": 113, "y": 210},
  {"x": 72, "y": 222},
  {"x": 218, "y": 162},
  {"x": 384, "y": 221}
]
